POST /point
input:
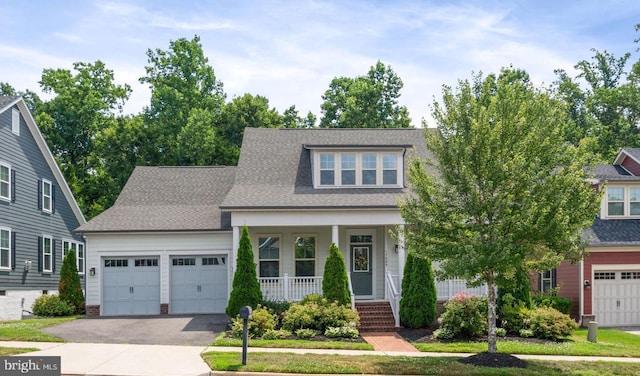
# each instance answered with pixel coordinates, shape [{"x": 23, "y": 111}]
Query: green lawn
[
  {"x": 390, "y": 365},
  {"x": 611, "y": 342},
  {"x": 29, "y": 330}
]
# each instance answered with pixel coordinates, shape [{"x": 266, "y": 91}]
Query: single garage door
[
  {"x": 199, "y": 284},
  {"x": 616, "y": 297},
  {"x": 131, "y": 286}
]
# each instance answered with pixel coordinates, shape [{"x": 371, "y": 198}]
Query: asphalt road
[{"x": 193, "y": 330}]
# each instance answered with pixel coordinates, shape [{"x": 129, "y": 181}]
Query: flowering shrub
[
  {"x": 464, "y": 316},
  {"x": 342, "y": 332},
  {"x": 260, "y": 322}
]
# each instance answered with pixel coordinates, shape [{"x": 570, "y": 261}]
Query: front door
[{"x": 361, "y": 270}]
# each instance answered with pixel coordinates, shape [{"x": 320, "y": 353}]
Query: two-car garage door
[
  {"x": 616, "y": 297},
  {"x": 132, "y": 285}
]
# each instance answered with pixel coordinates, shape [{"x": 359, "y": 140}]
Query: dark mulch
[
  {"x": 425, "y": 336},
  {"x": 496, "y": 360}
]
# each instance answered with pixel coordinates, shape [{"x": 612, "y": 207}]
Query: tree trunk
[{"x": 492, "y": 339}]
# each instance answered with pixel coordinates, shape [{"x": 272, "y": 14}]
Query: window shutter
[
  {"x": 553, "y": 278},
  {"x": 53, "y": 198},
  {"x": 39, "y": 194},
  {"x": 13, "y": 185},
  {"x": 13, "y": 250},
  {"x": 540, "y": 282},
  {"x": 40, "y": 255},
  {"x": 53, "y": 255}
]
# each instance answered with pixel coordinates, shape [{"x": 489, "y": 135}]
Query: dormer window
[
  {"x": 368, "y": 167},
  {"x": 623, "y": 201}
]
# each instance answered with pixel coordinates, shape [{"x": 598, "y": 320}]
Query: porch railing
[
  {"x": 393, "y": 296},
  {"x": 445, "y": 289},
  {"x": 290, "y": 289}
]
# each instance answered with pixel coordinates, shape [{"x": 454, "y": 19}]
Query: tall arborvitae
[
  {"x": 335, "y": 283},
  {"x": 69, "y": 287},
  {"x": 419, "y": 295},
  {"x": 246, "y": 289}
]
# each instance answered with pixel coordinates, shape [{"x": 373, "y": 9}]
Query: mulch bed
[{"x": 497, "y": 360}]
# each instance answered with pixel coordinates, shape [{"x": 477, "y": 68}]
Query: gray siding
[{"x": 23, "y": 215}]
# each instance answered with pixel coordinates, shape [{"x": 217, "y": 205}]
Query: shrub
[
  {"x": 245, "y": 289},
  {"x": 560, "y": 303},
  {"x": 419, "y": 296},
  {"x": 260, "y": 322},
  {"x": 306, "y": 333},
  {"x": 465, "y": 316},
  {"x": 549, "y": 323},
  {"x": 335, "y": 283},
  {"x": 513, "y": 315},
  {"x": 273, "y": 334},
  {"x": 276, "y": 307},
  {"x": 51, "y": 305},
  {"x": 443, "y": 333},
  {"x": 316, "y": 312},
  {"x": 342, "y": 332},
  {"x": 526, "y": 333},
  {"x": 69, "y": 287},
  {"x": 501, "y": 332}
]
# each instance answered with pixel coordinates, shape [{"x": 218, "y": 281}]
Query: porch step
[{"x": 376, "y": 317}]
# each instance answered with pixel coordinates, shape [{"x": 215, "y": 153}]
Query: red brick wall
[
  {"x": 164, "y": 309},
  {"x": 93, "y": 310}
]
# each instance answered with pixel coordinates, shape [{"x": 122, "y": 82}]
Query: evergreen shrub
[{"x": 245, "y": 290}]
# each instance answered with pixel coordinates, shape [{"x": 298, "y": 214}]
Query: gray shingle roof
[
  {"x": 613, "y": 172},
  {"x": 274, "y": 170},
  {"x": 614, "y": 232},
  {"x": 168, "y": 199},
  {"x": 634, "y": 152},
  {"x": 5, "y": 101}
]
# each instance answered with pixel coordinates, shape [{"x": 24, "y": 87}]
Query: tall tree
[
  {"x": 182, "y": 82},
  {"x": 508, "y": 194},
  {"x": 369, "y": 101},
  {"x": 245, "y": 290},
  {"x": 85, "y": 104}
]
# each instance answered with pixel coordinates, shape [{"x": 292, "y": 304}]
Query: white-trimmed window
[
  {"x": 5, "y": 249},
  {"x": 78, "y": 248},
  {"x": 623, "y": 201},
  {"x": 47, "y": 196},
  {"x": 15, "y": 121},
  {"x": 47, "y": 254},
  {"x": 269, "y": 255},
  {"x": 5, "y": 182},
  {"x": 374, "y": 168},
  {"x": 305, "y": 255},
  {"x": 547, "y": 281}
]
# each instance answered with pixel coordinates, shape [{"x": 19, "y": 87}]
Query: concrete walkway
[{"x": 147, "y": 360}]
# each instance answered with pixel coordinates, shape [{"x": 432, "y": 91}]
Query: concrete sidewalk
[{"x": 147, "y": 360}]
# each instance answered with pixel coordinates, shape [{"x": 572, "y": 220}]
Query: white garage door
[
  {"x": 131, "y": 286},
  {"x": 616, "y": 297},
  {"x": 198, "y": 284}
]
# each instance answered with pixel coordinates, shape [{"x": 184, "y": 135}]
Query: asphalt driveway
[{"x": 193, "y": 330}]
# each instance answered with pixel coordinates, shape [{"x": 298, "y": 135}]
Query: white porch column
[
  {"x": 401, "y": 253},
  {"x": 335, "y": 236},
  {"x": 235, "y": 243}
]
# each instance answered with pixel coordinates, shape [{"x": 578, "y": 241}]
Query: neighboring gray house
[
  {"x": 169, "y": 242},
  {"x": 38, "y": 214}
]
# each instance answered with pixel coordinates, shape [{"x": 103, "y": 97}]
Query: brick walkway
[{"x": 388, "y": 341}]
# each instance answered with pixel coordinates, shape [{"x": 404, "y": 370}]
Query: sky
[{"x": 289, "y": 51}]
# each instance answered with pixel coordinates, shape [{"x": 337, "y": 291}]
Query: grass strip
[{"x": 29, "y": 329}]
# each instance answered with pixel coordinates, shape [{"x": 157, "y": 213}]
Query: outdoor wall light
[
  {"x": 27, "y": 266},
  {"x": 396, "y": 248},
  {"x": 587, "y": 284},
  {"x": 92, "y": 271}
]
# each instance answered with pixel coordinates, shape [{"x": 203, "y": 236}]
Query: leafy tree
[
  {"x": 182, "y": 82},
  {"x": 291, "y": 119},
  {"x": 32, "y": 99},
  {"x": 69, "y": 287},
  {"x": 419, "y": 296},
  {"x": 369, "y": 101},
  {"x": 245, "y": 289},
  {"x": 84, "y": 105},
  {"x": 335, "y": 283},
  {"x": 508, "y": 192}
]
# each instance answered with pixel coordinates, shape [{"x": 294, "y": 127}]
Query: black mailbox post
[{"x": 245, "y": 315}]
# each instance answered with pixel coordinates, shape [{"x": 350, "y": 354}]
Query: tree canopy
[
  {"x": 369, "y": 101},
  {"x": 508, "y": 192}
]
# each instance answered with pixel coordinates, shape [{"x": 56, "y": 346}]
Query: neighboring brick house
[
  {"x": 605, "y": 286},
  {"x": 38, "y": 214}
]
